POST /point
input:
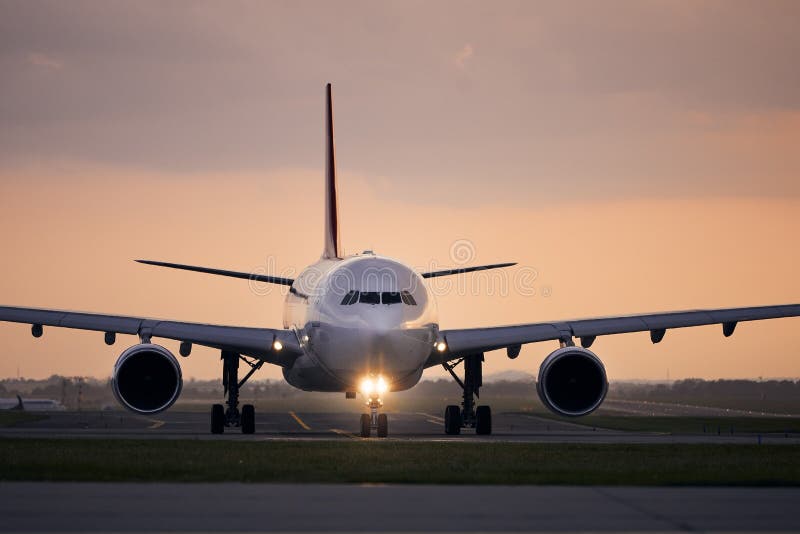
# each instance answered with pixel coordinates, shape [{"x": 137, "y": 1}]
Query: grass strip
[
  {"x": 16, "y": 417},
  {"x": 398, "y": 462},
  {"x": 724, "y": 425}
]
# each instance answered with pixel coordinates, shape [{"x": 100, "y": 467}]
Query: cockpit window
[
  {"x": 370, "y": 297},
  {"x": 390, "y": 298},
  {"x": 408, "y": 298},
  {"x": 375, "y": 297},
  {"x": 350, "y": 298}
]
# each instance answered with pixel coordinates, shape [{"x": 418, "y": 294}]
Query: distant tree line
[
  {"x": 698, "y": 388},
  {"x": 781, "y": 396},
  {"x": 762, "y": 395}
]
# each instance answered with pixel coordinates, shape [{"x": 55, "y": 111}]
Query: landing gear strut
[
  {"x": 231, "y": 417},
  {"x": 467, "y": 416},
  {"x": 373, "y": 419}
]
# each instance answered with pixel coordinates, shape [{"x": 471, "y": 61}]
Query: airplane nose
[
  {"x": 383, "y": 324},
  {"x": 382, "y": 345},
  {"x": 399, "y": 349}
]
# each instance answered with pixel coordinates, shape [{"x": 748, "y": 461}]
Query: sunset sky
[{"x": 630, "y": 156}]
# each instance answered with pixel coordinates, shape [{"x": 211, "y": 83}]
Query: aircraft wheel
[
  {"x": 452, "y": 420},
  {"x": 248, "y": 419},
  {"x": 217, "y": 419},
  {"x": 483, "y": 420},
  {"x": 383, "y": 425},
  {"x": 366, "y": 424}
]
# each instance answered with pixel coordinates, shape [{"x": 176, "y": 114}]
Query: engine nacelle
[
  {"x": 147, "y": 379},
  {"x": 572, "y": 382}
]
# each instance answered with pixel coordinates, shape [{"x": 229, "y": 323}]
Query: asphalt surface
[
  {"x": 72, "y": 507},
  {"x": 419, "y": 426}
]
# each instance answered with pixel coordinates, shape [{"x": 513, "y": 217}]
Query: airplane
[
  {"x": 32, "y": 405},
  {"x": 366, "y": 323}
]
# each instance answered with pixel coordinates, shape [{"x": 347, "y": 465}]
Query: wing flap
[
  {"x": 68, "y": 319},
  {"x": 460, "y": 341}
]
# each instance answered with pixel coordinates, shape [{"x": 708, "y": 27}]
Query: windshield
[
  {"x": 370, "y": 297},
  {"x": 375, "y": 297}
]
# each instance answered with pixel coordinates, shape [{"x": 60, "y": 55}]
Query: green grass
[
  {"x": 687, "y": 425},
  {"x": 398, "y": 462},
  {"x": 15, "y": 417}
]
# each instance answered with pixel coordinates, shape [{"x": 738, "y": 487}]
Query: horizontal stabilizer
[
  {"x": 220, "y": 272},
  {"x": 447, "y": 272}
]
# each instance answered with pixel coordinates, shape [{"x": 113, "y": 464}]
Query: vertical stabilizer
[{"x": 332, "y": 248}]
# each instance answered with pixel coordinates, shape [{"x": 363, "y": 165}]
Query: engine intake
[
  {"x": 572, "y": 382},
  {"x": 147, "y": 379}
]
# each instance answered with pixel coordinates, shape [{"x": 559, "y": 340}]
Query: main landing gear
[
  {"x": 467, "y": 416},
  {"x": 231, "y": 417},
  {"x": 374, "y": 420}
]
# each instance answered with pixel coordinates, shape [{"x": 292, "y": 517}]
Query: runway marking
[
  {"x": 299, "y": 421},
  {"x": 430, "y": 418},
  {"x": 344, "y": 433},
  {"x": 156, "y": 424}
]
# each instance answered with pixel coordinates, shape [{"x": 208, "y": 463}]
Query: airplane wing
[
  {"x": 476, "y": 340},
  {"x": 255, "y": 342}
]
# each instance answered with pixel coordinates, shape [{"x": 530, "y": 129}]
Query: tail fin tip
[{"x": 332, "y": 247}]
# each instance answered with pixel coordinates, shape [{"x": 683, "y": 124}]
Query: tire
[
  {"x": 483, "y": 421},
  {"x": 248, "y": 419},
  {"x": 217, "y": 419},
  {"x": 383, "y": 425},
  {"x": 366, "y": 425},
  {"x": 452, "y": 420}
]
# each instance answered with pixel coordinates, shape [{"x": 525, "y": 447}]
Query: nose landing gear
[
  {"x": 467, "y": 416},
  {"x": 373, "y": 419}
]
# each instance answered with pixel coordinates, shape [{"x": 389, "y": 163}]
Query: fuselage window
[
  {"x": 370, "y": 297},
  {"x": 390, "y": 298},
  {"x": 350, "y": 298},
  {"x": 408, "y": 298}
]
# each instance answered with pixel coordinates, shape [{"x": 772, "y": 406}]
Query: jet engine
[
  {"x": 147, "y": 379},
  {"x": 572, "y": 382}
]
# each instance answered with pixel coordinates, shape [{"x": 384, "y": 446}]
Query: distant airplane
[
  {"x": 366, "y": 323},
  {"x": 32, "y": 405}
]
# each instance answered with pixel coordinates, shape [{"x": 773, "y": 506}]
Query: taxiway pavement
[
  {"x": 130, "y": 507},
  {"x": 416, "y": 426}
]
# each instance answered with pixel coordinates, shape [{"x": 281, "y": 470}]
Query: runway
[
  {"x": 408, "y": 426},
  {"x": 71, "y": 507}
]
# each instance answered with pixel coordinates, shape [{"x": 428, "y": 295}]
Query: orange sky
[
  {"x": 639, "y": 156},
  {"x": 73, "y": 243}
]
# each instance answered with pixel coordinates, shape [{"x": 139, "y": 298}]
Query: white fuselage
[{"x": 360, "y": 316}]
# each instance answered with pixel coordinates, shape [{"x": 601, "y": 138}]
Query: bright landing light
[
  {"x": 277, "y": 345},
  {"x": 381, "y": 385},
  {"x": 366, "y": 386},
  {"x": 371, "y": 385},
  {"x": 441, "y": 346}
]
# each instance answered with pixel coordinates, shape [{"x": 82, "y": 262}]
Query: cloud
[
  {"x": 464, "y": 55},
  {"x": 44, "y": 61}
]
